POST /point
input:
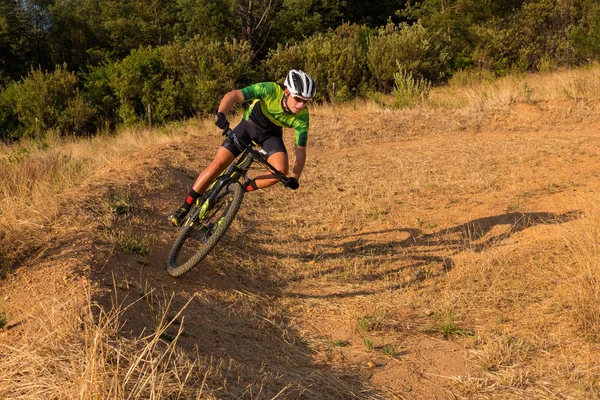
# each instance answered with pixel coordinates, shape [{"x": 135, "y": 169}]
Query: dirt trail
[{"x": 330, "y": 283}]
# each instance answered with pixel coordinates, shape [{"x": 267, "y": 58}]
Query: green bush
[
  {"x": 77, "y": 116},
  {"x": 409, "y": 46},
  {"x": 202, "y": 72},
  {"x": 50, "y": 100},
  {"x": 169, "y": 102},
  {"x": 540, "y": 34},
  {"x": 10, "y": 128},
  {"x": 336, "y": 60},
  {"x": 209, "y": 69},
  {"x": 136, "y": 81},
  {"x": 409, "y": 90},
  {"x": 98, "y": 92},
  {"x": 584, "y": 36},
  {"x": 177, "y": 81}
]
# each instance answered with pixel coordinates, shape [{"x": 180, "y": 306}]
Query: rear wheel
[{"x": 197, "y": 237}]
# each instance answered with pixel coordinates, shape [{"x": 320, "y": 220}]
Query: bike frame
[{"x": 237, "y": 170}]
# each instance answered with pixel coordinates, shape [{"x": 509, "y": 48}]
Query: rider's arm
[
  {"x": 228, "y": 101},
  {"x": 299, "y": 162}
]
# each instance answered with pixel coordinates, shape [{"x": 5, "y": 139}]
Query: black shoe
[{"x": 177, "y": 216}]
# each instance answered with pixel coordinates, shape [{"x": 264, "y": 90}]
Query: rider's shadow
[
  {"x": 425, "y": 254},
  {"x": 482, "y": 233},
  {"x": 476, "y": 235}
]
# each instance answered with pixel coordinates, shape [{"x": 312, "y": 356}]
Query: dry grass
[
  {"x": 74, "y": 349},
  {"x": 531, "y": 306},
  {"x": 481, "y": 93},
  {"x": 468, "y": 221},
  {"x": 579, "y": 274}
]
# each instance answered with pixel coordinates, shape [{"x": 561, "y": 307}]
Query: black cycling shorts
[{"x": 270, "y": 140}]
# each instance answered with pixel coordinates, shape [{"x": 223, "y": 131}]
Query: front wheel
[{"x": 198, "y": 235}]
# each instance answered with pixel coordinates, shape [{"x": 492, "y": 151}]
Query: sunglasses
[{"x": 300, "y": 100}]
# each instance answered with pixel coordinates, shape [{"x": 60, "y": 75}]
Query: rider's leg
[
  {"x": 280, "y": 161},
  {"x": 225, "y": 155},
  {"x": 222, "y": 159}
]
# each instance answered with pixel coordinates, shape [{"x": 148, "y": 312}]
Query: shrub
[
  {"x": 98, "y": 92},
  {"x": 169, "y": 102},
  {"x": 77, "y": 116},
  {"x": 136, "y": 81},
  {"x": 409, "y": 90},
  {"x": 48, "y": 100},
  {"x": 584, "y": 36},
  {"x": 409, "y": 46},
  {"x": 202, "y": 72},
  {"x": 176, "y": 81},
  {"x": 336, "y": 60},
  {"x": 10, "y": 128}
]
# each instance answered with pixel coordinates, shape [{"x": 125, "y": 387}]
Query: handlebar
[{"x": 259, "y": 156}]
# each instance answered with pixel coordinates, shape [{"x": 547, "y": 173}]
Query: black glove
[
  {"x": 221, "y": 121},
  {"x": 291, "y": 183}
]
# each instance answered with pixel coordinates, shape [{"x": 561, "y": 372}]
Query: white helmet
[{"x": 300, "y": 84}]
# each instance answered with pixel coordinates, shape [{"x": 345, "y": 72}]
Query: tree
[
  {"x": 16, "y": 41},
  {"x": 132, "y": 24},
  {"x": 254, "y": 19},
  {"x": 298, "y": 19},
  {"x": 371, "y": 13},
  {"x": 76, "y": 35},
  {"x": 208, "y": 19},
  {"x": 23, "y": 37},
  {"x": 584, "y": 35}
]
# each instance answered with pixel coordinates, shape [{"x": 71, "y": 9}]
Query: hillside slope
[{"x": 426, "y": 255}]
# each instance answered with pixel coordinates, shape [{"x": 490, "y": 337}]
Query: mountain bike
[{"x": 213, "y": 212}]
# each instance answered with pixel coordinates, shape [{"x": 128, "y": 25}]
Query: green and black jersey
[{"x": 270, "y": 113}]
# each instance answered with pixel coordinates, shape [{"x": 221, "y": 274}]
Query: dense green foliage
[
  {"x": 79, "y": 66},
  {"x": 45, "y": 100},
  {"x": 337, "y": 60}
]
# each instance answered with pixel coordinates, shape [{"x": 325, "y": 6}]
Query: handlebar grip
[{"x": 291, "y": 183}]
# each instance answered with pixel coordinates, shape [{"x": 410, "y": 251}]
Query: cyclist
[{"x": 273, "y": 108}]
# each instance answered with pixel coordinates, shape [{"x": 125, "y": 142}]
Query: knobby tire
[{"x": 175, "y": 269}]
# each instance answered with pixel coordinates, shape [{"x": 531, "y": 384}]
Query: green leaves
[
  {"x": 179, "y": 57},
  {"x": 47, "y": 100},
  {"x": 336, "y": 60},
  {"x": 405, "y": 47}
]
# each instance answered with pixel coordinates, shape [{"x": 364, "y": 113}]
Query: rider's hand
[
  {"x": 221, "y": 121},
  {"x": 291, "y": 183}
]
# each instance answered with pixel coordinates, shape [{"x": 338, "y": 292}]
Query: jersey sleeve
[
  {"x": 257, "y": 91},
  {"x": 301, "y": 128}
]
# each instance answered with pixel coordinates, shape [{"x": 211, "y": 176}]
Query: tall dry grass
[
  {"x": 534, "y": 309},
  {"x": 579, "y": 274},
  {"x": 71, "y": 348},
  {"x": 39, "y": 179},
  {"x": 469, "y": 90}
]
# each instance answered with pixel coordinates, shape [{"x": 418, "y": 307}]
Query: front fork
[
  {"x": 213, "y": 190},
  {"x": 232, "y": 174}
]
